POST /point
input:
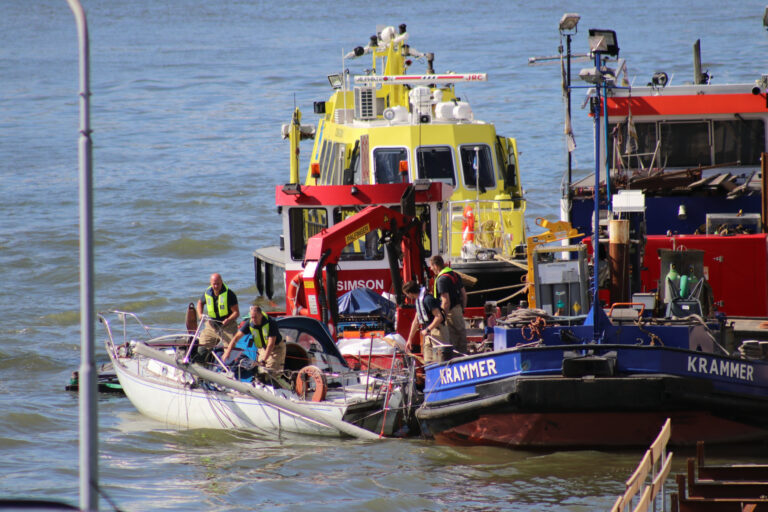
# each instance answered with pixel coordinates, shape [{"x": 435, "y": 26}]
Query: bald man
[{"x": 219, "y": 303}]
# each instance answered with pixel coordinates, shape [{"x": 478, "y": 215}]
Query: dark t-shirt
[
  {"x": 450, "y": 282},
  {"x": 231, "y": 301},
  {"x": 430, "y": 303},
  {"x": 273, "y": 330}
]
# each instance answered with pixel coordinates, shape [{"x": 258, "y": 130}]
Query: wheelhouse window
[
  {"x": 689, "y": 144},
  {"x": 633, "y": 145},
  {"x": 386, "y": 164},
  {"x": 364, "y": 247},
  {"x": 436, "y": 163},
  {"x": 325, "y": 156},
  {"x": 685, "y": 144},
  {"x": 304, "y": 223},
  {"x": 741, "y": 141},
  {"x": 474, "y": 160},
  {"x": 423, "y": 214}
]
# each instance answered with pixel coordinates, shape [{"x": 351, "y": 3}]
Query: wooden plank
[
  {"x": 729, "y": 184},
  {"x": 731, "y": 472},
  {"x": 660, "y": 443},
  {"x": 745, "y": 490},
  {"x": 661, "y": 477},
  {"x": 719, "y": 179},
  {"x": 701, "y": 182},
  {"x": 645, "y": 500},
  {"x": 681, "y": 503},
  {"x": 637, "y": 479}
]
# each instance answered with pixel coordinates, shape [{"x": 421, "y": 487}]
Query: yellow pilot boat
[{"x": 388, "y": 125}]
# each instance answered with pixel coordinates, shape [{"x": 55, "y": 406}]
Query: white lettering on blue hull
[
  {"x": 732, "y": 369},
  {"x": 467, "y": 371}
]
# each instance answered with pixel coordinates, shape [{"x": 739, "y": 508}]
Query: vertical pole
[
  {"x": 87, "y": 373},
  {"x": 568, "y": 106},
  {"x": 294, "y": 136},
  {"x": 596, "y": 227},
  {"x": 697, "y": 62},
  {"x": 606, "y": 147},
  {"x": 763, "y": 190},
  {"x": 618, "y": 234}
]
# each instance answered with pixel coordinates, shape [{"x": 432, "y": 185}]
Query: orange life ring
[
  {"x": 310, "y": 378},
  {"x": 468, "y": 225},
  {"x": 294, "y": 296}
]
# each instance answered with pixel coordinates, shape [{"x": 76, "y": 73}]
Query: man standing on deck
[
  {"x": 429, "y": 320},
  {"x": 449, "y": 290},
  {"x": 219, "y": 303},
  {"x": 266, "y": 336}
]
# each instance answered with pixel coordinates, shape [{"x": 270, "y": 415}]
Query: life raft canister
[
  {"x": 294, "y": 296},
  {"x": 311, "y": 379},
  {"x": 468, "y": 225}
]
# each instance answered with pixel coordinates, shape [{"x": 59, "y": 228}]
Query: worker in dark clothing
[
  {"x": 429, "y": 321},
  {"x": 449, "y": 290}
]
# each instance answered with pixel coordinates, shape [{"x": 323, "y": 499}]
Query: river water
[{"x": 187, "y": 102}]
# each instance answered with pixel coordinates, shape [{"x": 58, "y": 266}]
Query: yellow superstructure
[{"x": 388, "y": 126}]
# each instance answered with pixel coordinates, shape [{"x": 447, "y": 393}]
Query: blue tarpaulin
[{"x": 364, "y": 301}]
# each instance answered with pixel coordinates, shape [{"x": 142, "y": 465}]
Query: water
[{"x": 186, "y": 107}]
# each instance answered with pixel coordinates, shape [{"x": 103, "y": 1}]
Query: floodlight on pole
[{"x": 569, "y": 22}]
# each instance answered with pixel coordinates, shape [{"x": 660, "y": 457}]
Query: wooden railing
[{"x": 647, "y": 482}]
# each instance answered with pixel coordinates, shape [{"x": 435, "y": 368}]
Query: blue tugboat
[{"x": 608, "y": 380}]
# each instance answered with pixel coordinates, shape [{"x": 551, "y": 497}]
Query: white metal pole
[{"x": 87, "y": 372}]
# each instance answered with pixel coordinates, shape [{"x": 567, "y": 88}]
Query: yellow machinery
[{"x": 556, "y": 231}]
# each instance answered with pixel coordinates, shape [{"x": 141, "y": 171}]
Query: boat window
[
  {"x": 364, "y": 247},
  {"x": 423, "y": 214},
  {"x": 469, "y": 157},
  {"x": 304, "y": 223},
  {"x": 334, "y": 165},
  {"x": 741, "y": 141},
  {"x": 306, "y": 340},
  {"x": 436, "y": 163},
  {"x": 685, "y": 144},
  {"x": 352, "y": 172},
  {"x": 386, "y": 164},
  {"x": 325, "y": 155},
  {"x": 634, "y": 144}
]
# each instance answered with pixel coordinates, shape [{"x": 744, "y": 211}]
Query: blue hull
[{"x": 561, "y": 395}]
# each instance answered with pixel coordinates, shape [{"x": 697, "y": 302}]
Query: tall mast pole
[{"x": 596, "y": 106}]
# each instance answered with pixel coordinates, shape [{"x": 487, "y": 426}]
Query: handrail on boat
[
  {"x": 640, "y": 314},
  {"x": 656, "y": 462},
  {"x": 491, "y": 228}
]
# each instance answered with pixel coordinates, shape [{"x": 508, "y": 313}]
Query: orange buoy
[{"x": 311, "y": 379}]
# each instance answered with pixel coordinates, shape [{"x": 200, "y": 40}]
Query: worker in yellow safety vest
[{"x": 219, "y": 304}]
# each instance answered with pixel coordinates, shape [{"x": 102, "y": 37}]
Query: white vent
[
  {"x": 342, "y": 115},
  {"x": 365, "y": 103}
]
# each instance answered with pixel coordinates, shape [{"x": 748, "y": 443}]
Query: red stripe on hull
[
  {"x": 700, "y": 104},
  {"x": 596, "y": 429}
]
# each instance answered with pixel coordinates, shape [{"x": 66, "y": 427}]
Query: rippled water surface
[{"x": 187, "y": 102}]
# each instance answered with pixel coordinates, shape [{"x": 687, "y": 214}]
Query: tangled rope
[{"x": 534, "y": 328}]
